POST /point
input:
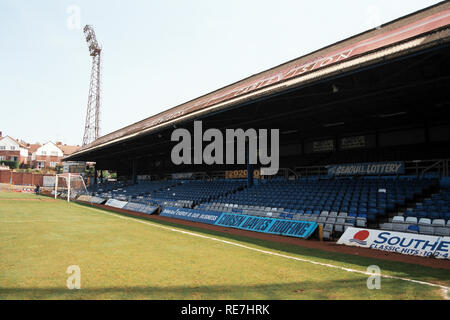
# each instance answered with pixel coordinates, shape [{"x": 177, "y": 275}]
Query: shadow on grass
[
  {"x": 400, "y": 269},
  {"x": 335, "y": 289}
]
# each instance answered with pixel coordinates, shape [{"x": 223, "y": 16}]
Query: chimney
[{"x": 58, "y": 143}]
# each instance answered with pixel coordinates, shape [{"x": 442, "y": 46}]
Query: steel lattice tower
[{"x": 92, "y": 126}]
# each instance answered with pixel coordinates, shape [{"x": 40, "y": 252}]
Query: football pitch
[{"x": 122, "y": 257}]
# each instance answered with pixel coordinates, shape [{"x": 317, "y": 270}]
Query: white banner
[
  {"x": 185, "y": 175},
  {"x": 404, "y": 243},
  {"x": 116, "y": 203},
  {"x": 96, "y": 200},
  {"x": 84, "y": 198}
]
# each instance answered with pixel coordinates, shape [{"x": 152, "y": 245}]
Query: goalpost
[{"x": 69, "y": 185}]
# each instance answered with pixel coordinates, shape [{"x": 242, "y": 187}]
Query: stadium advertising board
[
  {"x": 375, "y": 168},
  {"x": 97, "y": 200},
  {"x": 209, "y": 217},
  {"x": 404, "y": 243},
  {"x": 323, "y": 146},
  {"x": 84, "y": 198},
  {"x": 182, "y": 175},
  {"x": 140, "y": 207},
  {"x": 240, "y": 174},
  {"x": 116, "y": 203},
  {"x": 293, "y": 228},
  {"x": 353, "y": 142}
]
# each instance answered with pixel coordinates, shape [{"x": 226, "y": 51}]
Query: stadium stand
[
  {"x": 385, "y": 100},
  {"x": 364, "y": 200},
  {"x": 429, "y": 217},
  {"x": 335, "y": 204},
  {"x": 126, "y": 191},
  {"x": 186, "y": 194},
  {"x": 191, "y": 193}
]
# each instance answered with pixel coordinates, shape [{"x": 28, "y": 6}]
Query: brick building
[
  {"x": 36, "y": 156},
  {"x": 47, "y": 155},
  {"x": 66, "y": 149},
  {"x": 12, "y": 150},
  {"x": 50, "y": 154}
]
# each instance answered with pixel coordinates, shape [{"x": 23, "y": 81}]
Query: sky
[{"x": 155, "y": 54}]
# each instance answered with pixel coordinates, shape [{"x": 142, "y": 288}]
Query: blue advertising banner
[
  {"x": 139, "y": 207},
  {"x": 209, "y": 217},
  {"x": 293, "y": 228},
  {"x": 374, "y": 168}
]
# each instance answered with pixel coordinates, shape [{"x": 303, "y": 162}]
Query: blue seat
[
  {"x": 413, "y": 228},
  {"x": 434, "y": 215},
  {"x": 421, "y": 214}
]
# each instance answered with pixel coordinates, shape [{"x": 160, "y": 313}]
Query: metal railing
[
  {"x": 436, "y": 167},
  {"x": 419, "y": 168},
  {"x": 311, "y": 171}
]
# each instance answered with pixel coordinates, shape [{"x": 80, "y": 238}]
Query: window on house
[
  {"x": 2, "y": 147},
  {"x": 44, "y": 153},
  {"x": 2, "y": 158},
  {"x": 13, "y": 158},
  {"x": 53, "y": 164},
  {"x": 13, "y": 148}
]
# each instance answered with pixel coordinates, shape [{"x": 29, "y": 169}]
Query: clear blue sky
[{"x": 156, "y": 54}]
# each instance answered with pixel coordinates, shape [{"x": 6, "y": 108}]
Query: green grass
[
  {"x": 124, "y": 259},
  {"x": 20, "y": 195}
]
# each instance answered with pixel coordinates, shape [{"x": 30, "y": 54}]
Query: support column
[
  {"x": 56, "y": 186},
  {"x": 68, "y": 188},
  {"x": 133, "y": 172},
  {"x": 249, "y": 166},
  {"x": 94, "y": 187}
]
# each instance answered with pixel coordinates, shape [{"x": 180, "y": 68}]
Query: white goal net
[{"x": 69, "y": 186}]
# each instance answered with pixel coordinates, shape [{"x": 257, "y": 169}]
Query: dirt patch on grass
[{"x": 313, "y": 244}]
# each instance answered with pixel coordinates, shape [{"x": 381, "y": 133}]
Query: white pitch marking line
[{"x": 275, "y": 253}]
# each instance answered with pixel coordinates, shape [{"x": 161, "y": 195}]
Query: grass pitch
[{"x": 121, "y": 258}]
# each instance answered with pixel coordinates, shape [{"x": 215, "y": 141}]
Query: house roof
[
  {"x": 68, "y": 150},
  {"x": 15, "y": 140},
  {"x": 33, "y": 147}
]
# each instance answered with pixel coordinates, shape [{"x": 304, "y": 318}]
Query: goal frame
[{"x": 67, "y": 176}]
